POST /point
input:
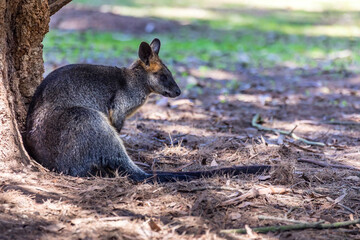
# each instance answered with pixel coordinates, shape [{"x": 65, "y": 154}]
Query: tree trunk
[{"x": 23, "y": 25}]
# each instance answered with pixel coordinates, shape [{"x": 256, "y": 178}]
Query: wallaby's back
[{"x": 78, "y": 85}]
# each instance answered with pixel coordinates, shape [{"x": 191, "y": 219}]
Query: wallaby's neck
[{"x": 139, "y": 77}]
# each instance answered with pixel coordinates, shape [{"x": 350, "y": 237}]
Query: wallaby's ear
[
  {"x": 155, "y": 45},
  {"x": 145, "y": 52}
]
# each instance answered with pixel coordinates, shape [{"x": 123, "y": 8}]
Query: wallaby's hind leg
[{"x": 88, "y": 143}]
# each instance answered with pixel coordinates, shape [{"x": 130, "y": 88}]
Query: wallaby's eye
[{"x": 163, "y": 78}]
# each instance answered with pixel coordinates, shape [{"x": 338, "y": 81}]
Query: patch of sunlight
[
  {"x": 288, "y": 5},
  {"x": 231, "y": 20},
  {"x": 317, "y": 53},
  {"x": 215, "y": 74},
  {"x": 186, "y": 129},
  {"x": 349, "y": 30},
  {"x": 195, "y": 131},
  {"x": 333, "y": 31},
  {"x": 295, "y": 5},
  {"x": 248, "y": 98},
  {"x": 346, "y": 53},
  {"x": 314, "y": 30},
  {"x": 162, "y": 12},
  {"x": 238, "y": 19}
]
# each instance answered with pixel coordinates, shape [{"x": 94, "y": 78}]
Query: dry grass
[
  {"x": 45, "y": 205},
  {"x": 37, "y": 204}
]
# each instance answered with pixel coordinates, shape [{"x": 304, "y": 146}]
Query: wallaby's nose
[{"x": 178, "y": 92}]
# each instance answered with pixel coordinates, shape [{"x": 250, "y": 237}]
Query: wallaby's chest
[
  {"x": 127, "y": 102},
  {"x": 132, "y": 110}
]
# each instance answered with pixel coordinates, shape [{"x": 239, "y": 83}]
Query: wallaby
[{"x": 77, "y": 112}]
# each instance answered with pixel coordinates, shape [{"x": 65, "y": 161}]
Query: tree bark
[{"x": 23, "y": 25}]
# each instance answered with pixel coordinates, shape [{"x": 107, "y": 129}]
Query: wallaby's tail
[{"x": 187, "y": 176}]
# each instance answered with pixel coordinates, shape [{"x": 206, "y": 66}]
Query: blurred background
[
  {"x": 215, "y": 40},
  {"x": 209, "y": 34}
]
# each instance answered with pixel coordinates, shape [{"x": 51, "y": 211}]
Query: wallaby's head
[{"x": 159, "y": 77}]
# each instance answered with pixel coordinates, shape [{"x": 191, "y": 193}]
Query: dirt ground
[{"x": 204, "y": 129}]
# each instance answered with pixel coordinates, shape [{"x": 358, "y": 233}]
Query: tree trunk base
[{"x": 23, "y": 25}]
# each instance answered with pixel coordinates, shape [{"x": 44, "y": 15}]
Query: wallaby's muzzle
[
  {"x": 164, "y": 84},
  {"x": 174, "y": 92},
  {"x": 177, "y": 93}
]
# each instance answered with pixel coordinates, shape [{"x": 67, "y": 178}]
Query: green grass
[{"x": 232, "y": 36}]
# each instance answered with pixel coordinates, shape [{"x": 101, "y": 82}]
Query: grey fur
[{"x": 78, "y": 110}]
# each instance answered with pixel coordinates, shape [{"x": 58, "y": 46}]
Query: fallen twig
[
  {"x": 142, "y": 164},
  {"x": 316, "y": 225},
  {"x": 341, "y": 123},
  {"x": 209, "y": 188},
  {"x": 291, "y": 132},
  {"x": 77, "y": 221},
  {"x": 298, "y": 183},
  {"x": 324, "y": 164},
  {"x": 304, "y": 149},
  {"x": 351, "y": 216},
  {"x": 337, "y": 201},
  {"x": 178, "y": 169},
  {"x": 256, "y": 192},
  {"x": 255, "y": 123},
  {"x": 262, "y": 217},
  {"x": 251, "y": 233}
]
